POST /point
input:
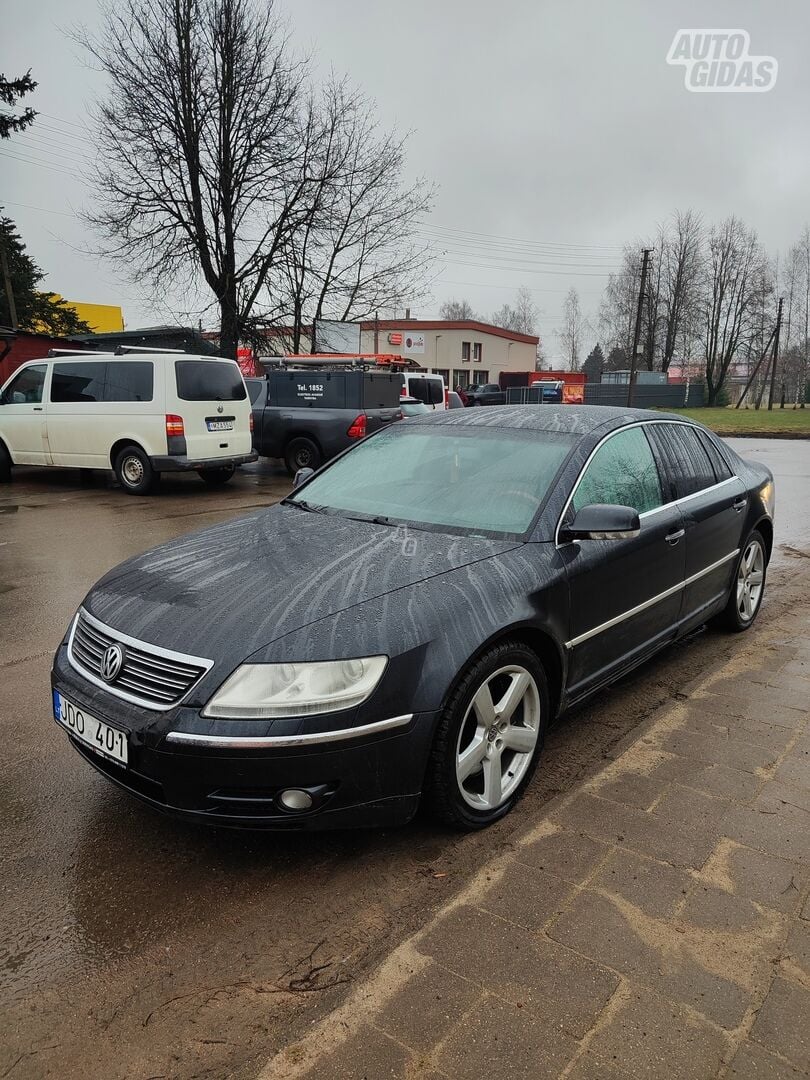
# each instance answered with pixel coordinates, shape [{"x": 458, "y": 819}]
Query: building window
[
  {"x": 478, "y": 352},
  {"x": 479, "y": 377},
  {"x": 460, "y": 378},
  {"x": 445, "y": 374},
  {"x": 465, "y": 350}
]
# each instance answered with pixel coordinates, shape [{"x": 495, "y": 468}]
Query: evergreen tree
[
  {"x": 11, "y": 90},
  {"x": 36, "y": 311},
  {"x": 594, "y": 364}
]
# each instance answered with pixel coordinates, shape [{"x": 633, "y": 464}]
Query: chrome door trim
[
  {"x": 651, "y": 602},
  {"x": 269, "y": 742}
]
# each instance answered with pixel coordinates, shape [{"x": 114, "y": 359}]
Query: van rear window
[
  {"x": 207, "y": 380},
  {"x": 431, "y": 391}
]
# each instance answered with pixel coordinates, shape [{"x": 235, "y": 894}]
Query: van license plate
[
  {"x": 105, "y": 740},
  {"x": 220, "y": 425}
]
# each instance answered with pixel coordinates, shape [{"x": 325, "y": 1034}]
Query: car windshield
[{"x": 481, "y": 480}]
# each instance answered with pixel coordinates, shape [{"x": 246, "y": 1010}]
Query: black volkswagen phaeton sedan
[{"x": 405, "y": 625}]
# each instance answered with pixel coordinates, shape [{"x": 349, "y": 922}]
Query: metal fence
[{"x": 645, "y": 396}]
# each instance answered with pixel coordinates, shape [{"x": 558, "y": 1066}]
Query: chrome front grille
[{"x": 151, "y": 676}]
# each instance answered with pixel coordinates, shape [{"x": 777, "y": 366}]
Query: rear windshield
[
  {"x": 431, "y": 391},
  {"x": 208, "y": 380},
  {"x": 254, "y": 388}
]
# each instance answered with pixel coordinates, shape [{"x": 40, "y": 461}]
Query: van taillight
[
  {"x": 403, "y": 392},
  {"x": 358, "y": 428},
  {"x": 250, "y": 422},
  {"x": 174, "y": 425}
]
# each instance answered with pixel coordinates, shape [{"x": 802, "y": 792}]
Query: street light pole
[{"x": 637, "y": 333}]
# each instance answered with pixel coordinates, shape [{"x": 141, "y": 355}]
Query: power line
[
  {"x": 522, "y": 240},
  {"x": 41, "y": 209},
  {"x": 41, "y": 164}
]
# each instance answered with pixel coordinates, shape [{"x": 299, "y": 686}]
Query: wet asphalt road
[{"x": 133, "y": 945}]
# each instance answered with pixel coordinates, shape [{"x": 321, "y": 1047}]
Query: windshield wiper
[{"x": 311, "y": 508}]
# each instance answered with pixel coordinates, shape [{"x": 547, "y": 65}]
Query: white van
[
  {"x": 139, "y": 414},
  {"x": 426, "y": 387}
]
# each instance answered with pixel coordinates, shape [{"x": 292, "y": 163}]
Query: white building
[{"x": 464, "y": 352}]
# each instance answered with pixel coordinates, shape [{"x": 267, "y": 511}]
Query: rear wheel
[
  {"x": 748, "y": 585},
  {"x": 5, "y": 465},
  {"x": 302, "y": 453},
  {"x": 134, "y": 471},
  {"x": 217, "y": 477},
  {"x": 489, "y": 738}
]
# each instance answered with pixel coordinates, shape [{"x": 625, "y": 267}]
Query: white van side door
[{"x": 22, "y": 416}]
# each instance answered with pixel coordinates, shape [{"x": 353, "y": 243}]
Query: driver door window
[
  {"x": 622, "y": 472},
  {"x": 26, "y": 389}
]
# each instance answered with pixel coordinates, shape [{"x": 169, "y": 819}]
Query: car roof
[{"x": 576, "y": 419}]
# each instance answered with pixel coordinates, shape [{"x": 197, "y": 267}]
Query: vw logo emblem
[
  {"x": 111, "y": 663},
  {"x": 220, "y": 408}
]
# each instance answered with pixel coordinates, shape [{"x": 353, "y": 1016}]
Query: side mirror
[
  {"x": 600, "y": 521},
  {"x": 301, "y": 476}
]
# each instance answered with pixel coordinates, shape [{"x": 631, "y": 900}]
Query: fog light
[{"x": 295, "y": 799}]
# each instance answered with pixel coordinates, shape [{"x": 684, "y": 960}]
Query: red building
[{"x": 18, "y": 346}]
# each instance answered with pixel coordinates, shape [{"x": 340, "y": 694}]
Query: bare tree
[
  {"x": 573, "y": 327},
  {"x": 737, "y": 282},
  {"x": 355, "y": 253},
  {"x": 456, "y": 311},
  {"x": 520, "y": 318},
  {"x": 205, "y": 142},
  {"x": 681, "y": 259}
]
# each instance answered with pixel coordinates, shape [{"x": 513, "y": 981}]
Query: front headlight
[{"x": 268, "y": 691}]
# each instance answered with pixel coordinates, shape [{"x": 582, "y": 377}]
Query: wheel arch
[
  {"x": 541, "y": 642},
  {"x": 122, "y": 444},
  {"x": 765, "y": 527}
]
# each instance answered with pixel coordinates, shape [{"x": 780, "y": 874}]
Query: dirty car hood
[{"x": 228, "y": 590}]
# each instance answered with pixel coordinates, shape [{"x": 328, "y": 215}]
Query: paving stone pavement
[{"x": 655, "y": 924}]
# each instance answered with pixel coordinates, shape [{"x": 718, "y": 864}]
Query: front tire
[
  {"x": 747, "y": 586},
  {"x": 134, "y": 472},
  {"x": 489, "y": 739},
  {"x": 302, "y": 453},
  {"x": 217, "y": 477}
]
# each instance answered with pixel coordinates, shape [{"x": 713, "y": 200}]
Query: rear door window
[
  {"x": 129, "y": 380},
  {"x": 721, "y": 468},
  {"x": 430, "y": 391},
  {"x": 78, "y": 382},
  {"x": 208, "y": 380},
  {"x": 687, "y": 462},
  {"x": 254, "y": 388},
  {"x": 26, "y": 389}
]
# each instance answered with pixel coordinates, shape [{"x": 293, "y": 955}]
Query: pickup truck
[
  {"x": 486, "y": 394},
  {"x": 306, "y": 417}
]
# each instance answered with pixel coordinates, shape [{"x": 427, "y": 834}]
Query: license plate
[
  {"x": 105, "y": 740},
  {"x": 220, "y": 425}
]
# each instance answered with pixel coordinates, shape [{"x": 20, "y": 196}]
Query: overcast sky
[{"x": 559, "y": 125}]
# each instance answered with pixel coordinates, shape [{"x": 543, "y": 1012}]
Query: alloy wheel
[
  {"x": 750, "y": 579},
  {"x": 498, "y": 737}
]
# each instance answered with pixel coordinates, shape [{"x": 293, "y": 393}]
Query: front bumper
[
  {"x": 371, "y": 779},
  {"x": 179, "y": 463}
]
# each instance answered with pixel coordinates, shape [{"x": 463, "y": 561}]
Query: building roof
[{"x": 473, "y": 325}]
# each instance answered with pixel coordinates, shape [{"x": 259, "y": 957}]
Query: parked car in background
[
  {"x": 454, "y": 400},
  {"x": 306, "y": 416},
  {"x": 426, "y": 387},
  {"x": 411, "y": 406},
  {"x": 356, "y": 682},
  {"x": 139, "y": 414},
  {"x": 486, "y": 394}
]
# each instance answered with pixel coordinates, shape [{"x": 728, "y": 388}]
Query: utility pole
[
  {"x": 775, "y": 354},
  {"x": 637, "y": 333},
  {"x": 12, "y": 307},
  {"x": 376, "y": 331}
]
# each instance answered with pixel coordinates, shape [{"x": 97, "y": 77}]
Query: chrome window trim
[
  {"x": 646, "y": 513},
  {"x": 144, "y": 646},
  {"x": 651, "y": 602},
  {"x": 267, "y": 742}
]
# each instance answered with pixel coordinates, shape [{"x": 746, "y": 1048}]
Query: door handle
[
  {"x": 37, "y": 408},
  {"x": 673, "y": 537},
  {"x": 739, "y": 504}
]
